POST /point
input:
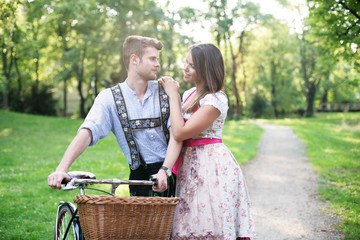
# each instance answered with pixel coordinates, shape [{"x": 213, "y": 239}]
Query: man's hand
[
  {"x": 162, "y": 181},
  {"x": 55, "y": 179}
]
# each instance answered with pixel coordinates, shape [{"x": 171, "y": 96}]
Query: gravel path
[{"x": 282, "y": 187}]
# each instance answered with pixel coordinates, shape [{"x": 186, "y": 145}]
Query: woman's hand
[{"x": 171, "y": 86}]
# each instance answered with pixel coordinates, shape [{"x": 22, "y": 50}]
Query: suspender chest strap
[
  {"x": 129, "y": 126},
  {"x": 164, "y": 111}
]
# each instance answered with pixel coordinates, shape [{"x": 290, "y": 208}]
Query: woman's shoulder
[
  {"x": 218, "y": 96},
  {"x": 218, "y": 100}
]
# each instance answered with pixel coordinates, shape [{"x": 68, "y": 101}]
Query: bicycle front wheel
[{"x": 67, "y": 223}]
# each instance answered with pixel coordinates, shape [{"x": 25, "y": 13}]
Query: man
[{"x": 131, "y": 110}]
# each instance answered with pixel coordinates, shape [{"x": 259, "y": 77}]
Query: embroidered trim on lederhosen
[
  {"x": 129, "y": 126},
  {"x": 164, "y": 111}
]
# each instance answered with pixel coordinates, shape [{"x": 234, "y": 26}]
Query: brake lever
[
  {"x": 154, "y": 180},
  {"x": 70, "y": 185}
]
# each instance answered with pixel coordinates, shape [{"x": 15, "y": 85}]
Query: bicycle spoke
[{"x": 64, "y": 218}]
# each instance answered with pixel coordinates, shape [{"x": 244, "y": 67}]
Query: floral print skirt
[{"x": 214, "y": 199}]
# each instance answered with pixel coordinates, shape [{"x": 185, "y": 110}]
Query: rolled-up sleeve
[{"x": 98, "y": 120}]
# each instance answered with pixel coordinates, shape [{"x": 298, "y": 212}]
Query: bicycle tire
[{"x": 67, "y": 215}]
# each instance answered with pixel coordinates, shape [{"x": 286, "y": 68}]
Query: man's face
[{"x": 149, "y": 63}]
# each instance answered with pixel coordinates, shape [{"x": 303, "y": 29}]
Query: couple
[{"x": 214, "y": 199}]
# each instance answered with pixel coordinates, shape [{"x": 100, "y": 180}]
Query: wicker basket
[{"x": 108, "y": 217}]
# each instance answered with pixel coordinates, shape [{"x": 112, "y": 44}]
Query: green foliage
[
  {"x": 335, "y": 26},
  {"x": 37, "y": 99},
  {"x": 333, "y": 146},
  {"x": 76, "y": 46},
  {"x": 273, "y": 68},
  {"x": 32, "y": 146},
  {"x": 40, "y": 100},
  {"x": 258, "y": 105},
  {"x": 343, "y": 84},
  {"x": 7, "y": 14},
  {"x": 225, "y": 30},
  {"x": 337, "y": 23}
]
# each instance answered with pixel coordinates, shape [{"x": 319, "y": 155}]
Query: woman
[{"x": 214, "y": 198}]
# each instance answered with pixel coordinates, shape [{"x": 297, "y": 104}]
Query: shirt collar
[{"x": 149, "y": 90}]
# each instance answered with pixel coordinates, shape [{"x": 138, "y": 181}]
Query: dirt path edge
[{"x": 283, "y": 190}]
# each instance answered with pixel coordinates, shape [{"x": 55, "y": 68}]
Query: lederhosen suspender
[{"x": 129, "y": 126}]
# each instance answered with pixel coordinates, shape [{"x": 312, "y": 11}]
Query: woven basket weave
[{"x": 108, "y": 217}]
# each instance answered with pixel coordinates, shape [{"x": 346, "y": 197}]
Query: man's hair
[{"x": 136, "y": 45}]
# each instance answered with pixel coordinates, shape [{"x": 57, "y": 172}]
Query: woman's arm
[
  {"x": 172, "y": 153},
  {"x": 197, "y": 123}
]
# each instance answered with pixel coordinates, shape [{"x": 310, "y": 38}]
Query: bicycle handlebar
[
  {"x": 80, "y": 180},
  {"x": 76, "y": 183}
]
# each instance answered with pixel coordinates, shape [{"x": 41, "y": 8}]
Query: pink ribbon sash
[{"x": 191, "y": 143}]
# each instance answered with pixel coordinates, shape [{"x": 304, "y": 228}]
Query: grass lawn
[
  {"x": 333, "y": 146},
  {"x": 31, "y": 148}
]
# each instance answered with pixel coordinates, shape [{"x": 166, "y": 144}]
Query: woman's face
[{"x": 189, "y": 70}]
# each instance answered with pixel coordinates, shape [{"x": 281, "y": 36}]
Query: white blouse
[{"x": 219, "y": 101}]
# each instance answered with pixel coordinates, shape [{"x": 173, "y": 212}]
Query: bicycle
[{"x": 67, "y": 224}]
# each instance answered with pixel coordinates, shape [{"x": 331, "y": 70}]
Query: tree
[
  {"x": 335, "y": 27},
  {"x": 337, "y": 23},
  {"x": 81, "y": 28},
  {"x": 341, "y": 84},
  {"x": 89, "y": 29},
  {"x": 8, "y": 44},
  {"x": 60, "y": 18},
  {"x": 35, "y": 11},
  {"x": 231, "y": 27},
  {"x": 273, "y": 64}
]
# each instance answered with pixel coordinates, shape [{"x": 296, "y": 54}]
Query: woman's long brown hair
[{"x": 209, "y": 66}]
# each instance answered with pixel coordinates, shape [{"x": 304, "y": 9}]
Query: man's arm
[
  {"x": 74, "y": 150},
  {"x": 172, "y": 153}
]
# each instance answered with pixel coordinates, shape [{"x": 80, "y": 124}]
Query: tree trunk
[
  {"x": 273, "y": 100},
  {"x": 80, "y": 74},
  {"x": 234, "y": 88},
  {"x": 61, "y": 31},
  {"x": 65, "y": 96},
  {"x": 6, "y": 76},
  {"x": 18, "y": 78},
  {"x": 238, "y": 102},
  {"x": 96, "y": 76},
  {"x": 323, "y": 98},
  {"x": 241, "y": 53},
  {"x": 308, "y": 63},
  {"x": 7, "y": 71},
  {"x": 310, "y": 99},
  {"x": 37, "y": 55},
  {"x": 37, "y": 64},
  {"x": 273, "y": 88}
]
